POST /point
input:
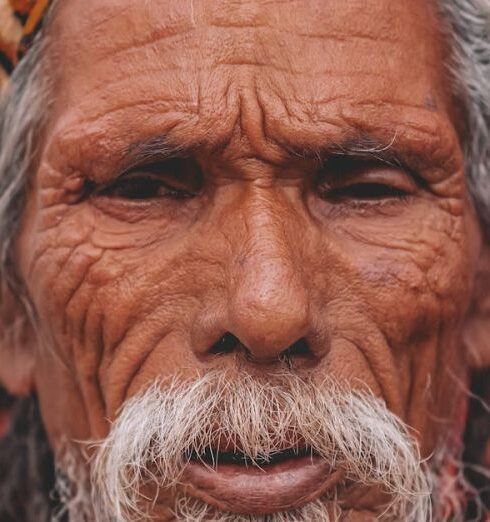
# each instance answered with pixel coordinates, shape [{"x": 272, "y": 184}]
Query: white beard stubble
[{"x": 156, "y": 429}]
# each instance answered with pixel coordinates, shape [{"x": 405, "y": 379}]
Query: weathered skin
[{"x": 129, "y": 290}]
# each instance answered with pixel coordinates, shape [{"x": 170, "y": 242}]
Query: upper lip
[{"x": 235, "y": 483}]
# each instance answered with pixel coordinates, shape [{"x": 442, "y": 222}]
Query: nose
[
  {"x": 269, "y": 314},
  {"x": 268, "y": 307}
]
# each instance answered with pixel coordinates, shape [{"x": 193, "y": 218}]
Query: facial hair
[{"x": 157, "y": 430}]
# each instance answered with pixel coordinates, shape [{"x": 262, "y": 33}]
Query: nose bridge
[{"x": 269, "y": 304}]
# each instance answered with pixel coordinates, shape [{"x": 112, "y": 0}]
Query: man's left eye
[
  {"x": 365, "y": 181},
  {"x": 368, "y": 191}
]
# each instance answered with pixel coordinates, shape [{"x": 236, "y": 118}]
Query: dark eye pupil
[
  {"x": 365, "y": 191},
  {"x": 137, "y": 188}
]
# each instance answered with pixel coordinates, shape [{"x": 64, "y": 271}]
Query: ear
[
  {"x": 476, "y": 332},
  {"x": 17, "y": 345}
]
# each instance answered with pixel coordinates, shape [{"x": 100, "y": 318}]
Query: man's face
[{"x": 239, "y": 186}]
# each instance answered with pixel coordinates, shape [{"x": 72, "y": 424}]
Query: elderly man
[{"x": 244, "y": 264}]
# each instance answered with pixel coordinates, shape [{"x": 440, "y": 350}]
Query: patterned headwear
[{"x": 19, "y": 21}]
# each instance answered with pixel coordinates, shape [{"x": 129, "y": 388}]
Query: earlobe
[
  {"x": 17, "y": 345},
  {"x": 476, "y": 332}
]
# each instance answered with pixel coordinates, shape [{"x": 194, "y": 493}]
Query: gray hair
[
  {"x": 469, "y": 29},
  {"x": 24, "y": 110},
  {"x": 23, "y": 114}
]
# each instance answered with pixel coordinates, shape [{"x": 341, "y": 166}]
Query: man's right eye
[
  {"x": 175, "y": 179},
  {"x": 142, "y": 186}
]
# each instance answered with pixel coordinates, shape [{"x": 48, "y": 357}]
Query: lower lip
[{"x": 252, "y": 490}]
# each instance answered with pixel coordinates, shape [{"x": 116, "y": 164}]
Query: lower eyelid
[{"x": 367, "y": 208}]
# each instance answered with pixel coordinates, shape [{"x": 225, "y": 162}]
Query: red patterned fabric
[{"x": 19, "y": 21}]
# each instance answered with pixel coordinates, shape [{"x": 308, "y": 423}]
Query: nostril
[
  {"x": 299, "y": 349},
  {"x": 229, "y": 343},
  {"x": 226, "y": 344}
]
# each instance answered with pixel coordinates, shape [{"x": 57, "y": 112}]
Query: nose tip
[{"x": 269, "y": 321}]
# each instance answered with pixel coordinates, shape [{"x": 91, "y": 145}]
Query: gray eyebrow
[
  {"x": 367, "y": 146},
  {"x": 150, "y": 149},
  {"x": 363, "y": 144},
  {"x": 360, "y": 145}
]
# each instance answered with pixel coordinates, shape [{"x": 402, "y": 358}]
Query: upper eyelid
[
  {"x": 123, "y": 174},
  {"x": 348, "y": 168},
  {"x": 148, "y": 165},
  {"x": 142, "y": 168}
]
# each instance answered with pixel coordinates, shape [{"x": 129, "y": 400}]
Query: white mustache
[{"x": 158, "y": 429}]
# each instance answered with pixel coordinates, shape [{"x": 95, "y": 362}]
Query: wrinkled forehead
[{"x": 199, "y": 65}]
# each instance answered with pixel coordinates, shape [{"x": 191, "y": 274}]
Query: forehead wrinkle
[
  {"x": 170, "y": 26},
  {"x": 314, "y": 133},
  {"x": 108, "y": 15},
  {"x": 280, "y": 28}
]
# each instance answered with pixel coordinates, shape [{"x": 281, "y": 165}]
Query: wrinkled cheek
[
  {"x": 424, "y": 325},
  {"x": 69, "y": 351},
  {"x": 62, "y": 294},
  {"x": 115, "y": 322}
]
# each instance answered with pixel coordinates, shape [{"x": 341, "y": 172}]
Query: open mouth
[
  {"x": 213, "y": 457},
  {"x": 234, "y": 482}
]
